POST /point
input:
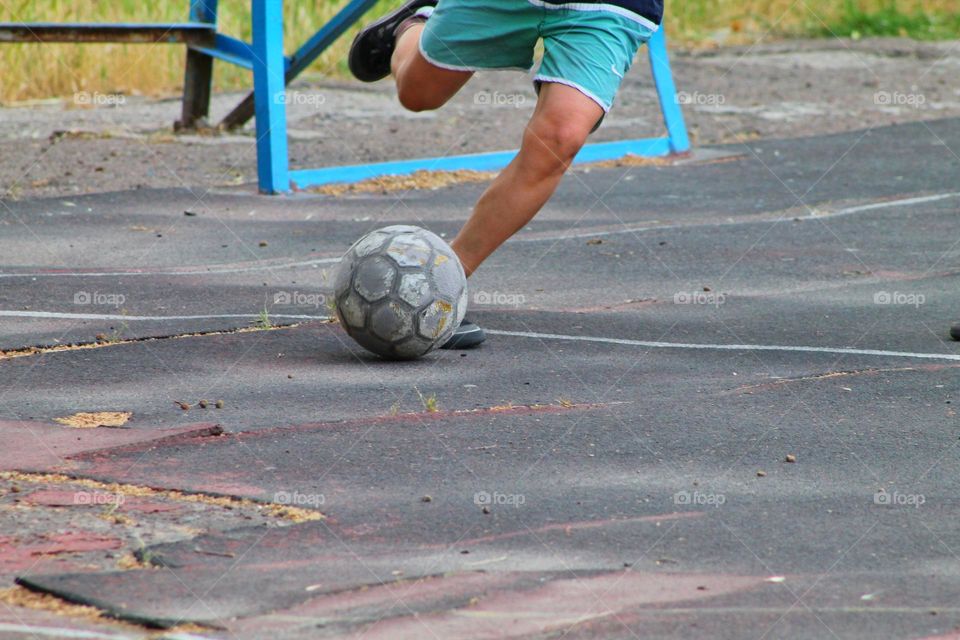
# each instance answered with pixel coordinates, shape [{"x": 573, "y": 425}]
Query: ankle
[{"x": 419, "y": 18}]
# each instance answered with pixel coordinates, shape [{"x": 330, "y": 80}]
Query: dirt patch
[
  {"x": 768, "y": 89},
  {"x": 631, "y": 160},
  {"x": 288, "y": 513},
  {"x": 96, "y": 419},
  {"x": 20, "y": 597},
  {"x": 418, "y": 180},
  {"x": 57, "y": 524},
  {"x": 423, "y": 179}
]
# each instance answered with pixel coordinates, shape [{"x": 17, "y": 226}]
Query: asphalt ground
[{"x": 612, "y": 463}]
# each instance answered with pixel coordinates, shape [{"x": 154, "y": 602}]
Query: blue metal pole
[
  {"x": 667, "y": 91},
  {"x": 269, "y": 89},
  {"x": 203, "y": 11}
]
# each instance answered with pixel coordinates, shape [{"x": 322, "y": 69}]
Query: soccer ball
[{"x": 400, "y": 292}]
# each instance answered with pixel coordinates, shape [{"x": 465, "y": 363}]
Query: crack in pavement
[
  {"x": 836, "y": 374},
  {"x": 100, "y": 344}
]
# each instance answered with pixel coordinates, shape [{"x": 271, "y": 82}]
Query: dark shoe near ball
[
  {"x": 467, "y": 336},
  {"x": 372, "y": 49},
  {"x": 955, "y": 331}
]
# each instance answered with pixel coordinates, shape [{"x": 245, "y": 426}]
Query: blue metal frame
[
  {"x": 272, "y": 71},
  {"x": 273, "y": 169},
  {"x": 269, "y": 89},
  {"x": 203, "y": 11}
]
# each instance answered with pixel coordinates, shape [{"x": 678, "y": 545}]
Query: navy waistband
[{"x": 652, "y": 10}]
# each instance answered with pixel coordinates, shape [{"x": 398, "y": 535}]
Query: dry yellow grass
[
  {"x": 39, "y": 71},
  {"x": 96, "y": 419},
  {"x": 422, "y": 179}
]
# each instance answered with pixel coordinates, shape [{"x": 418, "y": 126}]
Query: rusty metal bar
[
  {"x": 185, "y": 33},
  {"x": 198, "y": 73}
]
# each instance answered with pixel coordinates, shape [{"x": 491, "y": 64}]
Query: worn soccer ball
[{"x": 400, "y": 292}]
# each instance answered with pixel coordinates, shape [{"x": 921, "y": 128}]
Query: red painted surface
[
  {"x": 579, "y": 526},
  {"x": 502, "y": 605},
  {"x": 51, "y": 498},
  {"x": 418, "y": 418},
  {"x": 950, "y": 635},
  {"x": 17, "y": 555},
  {"x": 41, "y": 446},
  {"x": 74, "y": 542},
  {"x": 399, "y": 596},
  {"x": 168, "y": 470},
  {"x": 559, "y": 605},
  {"x": 75, "y": 498}
]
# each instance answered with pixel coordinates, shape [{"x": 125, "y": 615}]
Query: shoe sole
[
  {"x": 466, "y": 340},
  {"x": 354, "y": 61}
]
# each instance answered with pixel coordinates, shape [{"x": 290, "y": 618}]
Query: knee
[
  {"x": 417, "y": 100},
  {"x": 559, "y": 141}
]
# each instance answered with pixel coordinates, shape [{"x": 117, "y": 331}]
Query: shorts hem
[
  {"x": 442, "y": 65},
  {"x": 455, "y": 67},
  {"x": 603, "y": 105}
]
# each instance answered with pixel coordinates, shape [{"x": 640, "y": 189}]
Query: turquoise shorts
[{"x": 585, "y": 46}]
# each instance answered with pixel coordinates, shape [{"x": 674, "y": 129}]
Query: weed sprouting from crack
[{"x": 429, "y": 402}]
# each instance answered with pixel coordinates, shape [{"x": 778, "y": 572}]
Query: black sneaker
[
  {"x": 467, "y": 336},
  {"x": 955, "y": 331},
  {"x": 370, "y": 53}
]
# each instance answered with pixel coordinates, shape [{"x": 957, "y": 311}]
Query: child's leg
[
  {"x": 558, "y": 129},
  {"x": 422, "y": 86}
]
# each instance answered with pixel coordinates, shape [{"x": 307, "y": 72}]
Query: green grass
[
  {"x": 429, "y": 402},
  {"x": 704, "y": 22},
  {"x": 890, "y": 20},
  {"x": 40, "y": 71},
  {"x": 262, "y": 321}
]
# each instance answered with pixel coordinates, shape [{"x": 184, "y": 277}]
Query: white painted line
[
  {"x": 904, "y": 202},
  {"x": 195, "y": 272},
  {"x": 107, "y": 316},
  {"x": 890, "y": 203},
  {"x": 728, "y": 347},
  {"x": 57, "y": 632},
  {"x": 519, "y": 334}
]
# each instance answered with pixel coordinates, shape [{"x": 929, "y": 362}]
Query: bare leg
[
  {"x": 422, "y": 86},
  {"x": 558, "y": 129}
]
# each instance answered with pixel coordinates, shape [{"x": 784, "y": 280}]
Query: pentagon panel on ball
[{"x": 400, "y": 292}]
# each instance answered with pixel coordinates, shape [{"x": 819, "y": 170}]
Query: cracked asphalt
[{"x": 718, "y": 398}]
